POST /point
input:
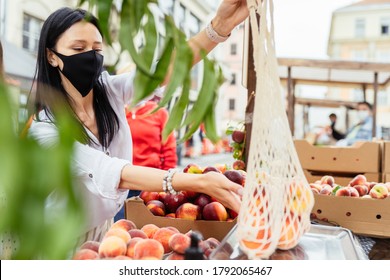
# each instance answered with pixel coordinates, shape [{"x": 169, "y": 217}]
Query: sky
[{"x": 302, "y": 26}]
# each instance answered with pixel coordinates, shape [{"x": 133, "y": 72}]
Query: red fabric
[{"x": 146, "y": 131}]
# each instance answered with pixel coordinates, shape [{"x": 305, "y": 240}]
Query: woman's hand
[
  {"x": 229, "y": 14},
  {"x": 223, "y": 190}
]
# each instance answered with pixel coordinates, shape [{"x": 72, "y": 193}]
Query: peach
[
  {"x": 163, "y": 235},
  {"x": 150, "y": 229},
  {"x": 124, "y": 224},
  {"x": 90, "y": 244},
  {"x": 362, "y": 189},
  {"x": 156, "y": 207},
  {"x": 326, "y": 189},
  {"x": 215, "y": 211},
  {"x": 171, "y": 215},
  {"x": 192, "y": 168},
  {"x": 175, "y": 257},
  {"x": 148, "y": 196},
  {"x": 121, "y": 257},
  {"x": 358, "y": 180},
  {"x": 179, "y": 242},
  {"x": 137, "y": 233},
  {"x": 188, "y": 211},
  {"x": 191, "y": 195},
  {"x": 202, "y": 200},
  {"x": 232, "y": 214},
  {"x": 327, "y": 180},
  {"x": 370, "y": 185},
  {"x": 131, "y": 245},
  {"x": 174, "y": 201},
  {"x": 221, "y": 167},
  {"x": 234, "y": 176},
  {"x": 85, "y": 254},
  {"x": 379, "y": 191},
  {"x": 174, "y": 229},
  {"x": 148, "y": 249},
  {"x": 343, "y": 191},
  {"x": 316, "y": 186},
  {"x": 118, "y": 232},
  {"x": 210, "y": 169},
  {"x": 112, "y": 246},
  {"x": 238, "y": 164},
  {"x": 238, "y": 136},
  {"x": 209, "y": 245},
  {"x": 161, "y": 196}
]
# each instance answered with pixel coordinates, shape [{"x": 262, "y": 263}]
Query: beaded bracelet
[
  {"x": 167, "y": 181},
  {"x": 213, "y": 35}
]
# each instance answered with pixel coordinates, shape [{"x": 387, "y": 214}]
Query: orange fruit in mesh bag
[
  {"x": 290, "y": 232},
  {"x": 299, "y": 199},
  {"x": 262, "y": 240}
]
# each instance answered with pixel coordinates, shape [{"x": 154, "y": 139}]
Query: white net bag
[{"x": 277, "y": 200}]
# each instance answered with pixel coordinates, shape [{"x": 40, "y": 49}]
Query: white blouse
[{"x": 98, "y": 170}]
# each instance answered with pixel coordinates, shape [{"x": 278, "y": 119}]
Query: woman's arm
[{"x": 212, "y": 183}]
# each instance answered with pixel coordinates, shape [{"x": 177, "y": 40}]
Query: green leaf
[
  {"x": 206, "y": 94},
  {"x": 335, "y": 189},
  {"x": 210, "y": 125},
  {"x": 177, "y": 112},
  {"x": 182, "y": 62},
  {"x": 104, "y": 11},
  {"x": 128, "y": 30},
  {"x": 143, "y": 84}
]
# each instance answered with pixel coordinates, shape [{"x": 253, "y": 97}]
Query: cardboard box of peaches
[
  {"x": 348, "y": 186},
  {"x": 186, "y": 211}
]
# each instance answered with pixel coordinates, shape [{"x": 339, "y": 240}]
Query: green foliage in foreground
[{"x": 30, "y": 173}]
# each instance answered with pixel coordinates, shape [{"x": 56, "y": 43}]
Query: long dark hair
[{"x": 47, "y": 76}]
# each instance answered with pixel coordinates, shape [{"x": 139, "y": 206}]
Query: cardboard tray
[
  {"x": 385, "y": 157},
  {"x": 136, "y": 211},
  {"x": 341, "y": 178},
  {"x": 362, "y": 157},
  {"x": 363, "y": 216}
]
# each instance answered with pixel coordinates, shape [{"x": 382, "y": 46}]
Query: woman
[{"x": 70, "y": 60}]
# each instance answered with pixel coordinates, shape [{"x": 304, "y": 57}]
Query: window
[
  {"x": 233, "y": 49},
  {"x": 181, "y": 17},
  {"x": 360, "y": 27},
  {"x": 193, "y": 24},
  {"x": 31, "y": 29},
  {"x": 233, "y": 80},
  {"x": 385, "y": 23},
  {"x": 232, "y": 104},
  {"x": 166, "y": 6}
]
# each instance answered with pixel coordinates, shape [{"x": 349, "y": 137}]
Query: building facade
[{"x": 361, "y": 32}]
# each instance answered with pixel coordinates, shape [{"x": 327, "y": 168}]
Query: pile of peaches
[
  {"x": 357, "y": 187},
  {"x": 193, "y": 205},
  {"x": 124, "y": 241}
]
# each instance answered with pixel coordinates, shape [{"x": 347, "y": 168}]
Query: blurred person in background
[
  {"x": 336, "y": 134},
  {"x": 149, "y": 149},
  {"x": 362, "y": 131}
]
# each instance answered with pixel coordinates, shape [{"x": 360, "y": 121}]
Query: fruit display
[
  {"x": 359, "y": 187},
  {"x": 123, "y": 241},
  {"x": 193, "y": 205},
  {"x": 238, "y": 136}
]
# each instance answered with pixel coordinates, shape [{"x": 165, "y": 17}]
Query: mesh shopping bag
[{"x": 277, "y": 200}]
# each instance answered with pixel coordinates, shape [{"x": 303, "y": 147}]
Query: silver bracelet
[
  {"x": 213, "y": 35},
  {"x": 167, "y": 181}
]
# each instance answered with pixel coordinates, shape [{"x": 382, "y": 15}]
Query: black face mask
[{"x": 82, "y": 69}]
